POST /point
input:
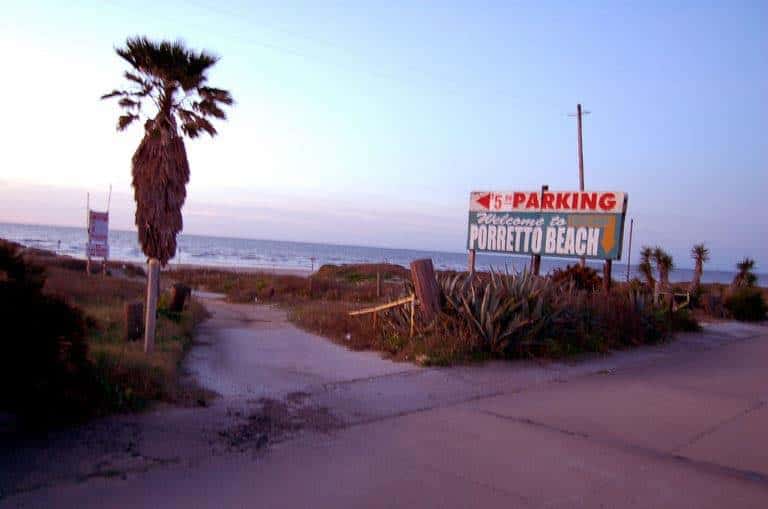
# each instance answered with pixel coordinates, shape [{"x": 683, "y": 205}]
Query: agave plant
[{"x": 504, "y": 309}]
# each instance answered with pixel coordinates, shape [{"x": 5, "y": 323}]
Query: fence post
[
  {"x": 425, "y": 284},
  {"x": 413, "y": 311},
  {"x": 471, "y": 262},
  {"x": 134, "y": 320}
]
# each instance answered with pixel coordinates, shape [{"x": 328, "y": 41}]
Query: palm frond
[
  {"x": 125, "y": 120},
  {"x": 114, "y": 93}
]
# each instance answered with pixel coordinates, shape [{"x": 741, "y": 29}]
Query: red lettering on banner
[
  {"x": 588, "y": 201},
  {"x": 562, "y": 201},
  {"x": 533, "y": 201},
  {"x": 607, "y": 201},
  {"x": 518, "y": 199},
  {"x": 547, "y": 201}
]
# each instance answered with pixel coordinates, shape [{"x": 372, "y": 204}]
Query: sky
[{"x": 369, "y": 123}]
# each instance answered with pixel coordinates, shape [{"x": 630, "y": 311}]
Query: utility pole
[
  {"x": 578, "y": 115},
  {"x": 629, "y": 251}
]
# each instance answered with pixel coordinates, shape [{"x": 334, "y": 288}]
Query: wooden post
[
  {"x": 536, "y": 265},
  {"x": 471, "y": 262},
  {"x": 375, "y": 316},
  {"x": 536, "y": 260},
  {"x": 134, "y": 323},
  {"x": 579, "y": 114},
  {"x": 425, "y": 284},
  {"x": 413, "y": 312},
  {"x": 378, "y": 283},
  {"x": 153, "y": 282},
  {"x": 179, "y": 294},
  {"x": 607, "y": 275}
]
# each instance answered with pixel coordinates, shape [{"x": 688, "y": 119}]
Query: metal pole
[
  {"x": 581, "y": 149},
  {"x": 629, "y": 251},
  {"x": 88, "y": 228},
  {"x": 581, "y": 162}
]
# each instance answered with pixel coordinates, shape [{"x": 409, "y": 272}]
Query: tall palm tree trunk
[{"x": 160, "y": 175}]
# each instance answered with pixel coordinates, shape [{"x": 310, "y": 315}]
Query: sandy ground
[{"x": 302, "y": 422}]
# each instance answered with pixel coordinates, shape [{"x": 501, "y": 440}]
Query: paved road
[{"x": 305, "y": 423}]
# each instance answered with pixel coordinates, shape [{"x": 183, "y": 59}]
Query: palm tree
[
  {"x": 745, "y": 276},
  {"x": 664, "y": 265},
  {"x": 700, "y": 254},
  {"x": 171, "y": 79},
  {"x": 645, "y": 267}
]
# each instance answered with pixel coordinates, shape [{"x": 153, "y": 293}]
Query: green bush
[
  {"x": 683, "y": 321},
  {"x": 45, "y": 375},
  {"x": 521, "y": 315},
  {"x": 746, "y": 304},
  {"x": 583, "y": 278}
]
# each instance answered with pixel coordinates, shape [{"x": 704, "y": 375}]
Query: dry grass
[
  {"x": 443, "y": 342},
  {"x": 128, "y": 375},
  {"x": 354, "y": 283},
  {"x": 136, "y": 376}
]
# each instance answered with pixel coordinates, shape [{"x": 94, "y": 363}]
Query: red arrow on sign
[{"x": 485, "y": 201}]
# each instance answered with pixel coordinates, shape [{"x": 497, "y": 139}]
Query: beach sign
[
  {"x": 98, "y": 235},
  {"x": 568, "y": 224}
]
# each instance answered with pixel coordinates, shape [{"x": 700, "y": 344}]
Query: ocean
[{"x": 276, "y": 254}]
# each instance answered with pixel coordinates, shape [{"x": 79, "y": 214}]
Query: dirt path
[{"x": 303, "y": 422}]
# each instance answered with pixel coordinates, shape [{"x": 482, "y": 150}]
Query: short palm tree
[
  {"x": 745, "y": 276},
  {"x": 645, "y": 267},
  {"x": 700, "y": 255},
  {"x": 664, "y": 265},
  {"x": 171, "y": 80}
]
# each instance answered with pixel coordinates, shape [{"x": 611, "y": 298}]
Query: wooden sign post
[
  {"x": 536, "y": 260},
  {"x": 471, "y": 262},
  {"x": 607, "y": 275},
  {"x": 427, "y": 290}
]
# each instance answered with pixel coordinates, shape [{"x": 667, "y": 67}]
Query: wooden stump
[
  {"x": 134, "y": 320},
  {"x": 179, "y": 294},
  {"x": 427, "y": 290}
]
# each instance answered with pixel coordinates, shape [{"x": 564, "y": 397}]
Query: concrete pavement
[{"x": 677, "y": 425}]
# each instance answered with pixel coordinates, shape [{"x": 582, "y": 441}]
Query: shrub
[
  {"x": 521, "y": 315},
  {"x": 746, "y": 304},
  {"x": 45, "y": 375},
  {"x": 583, "y": 278},
  {"x": 683, "y": 321}
]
